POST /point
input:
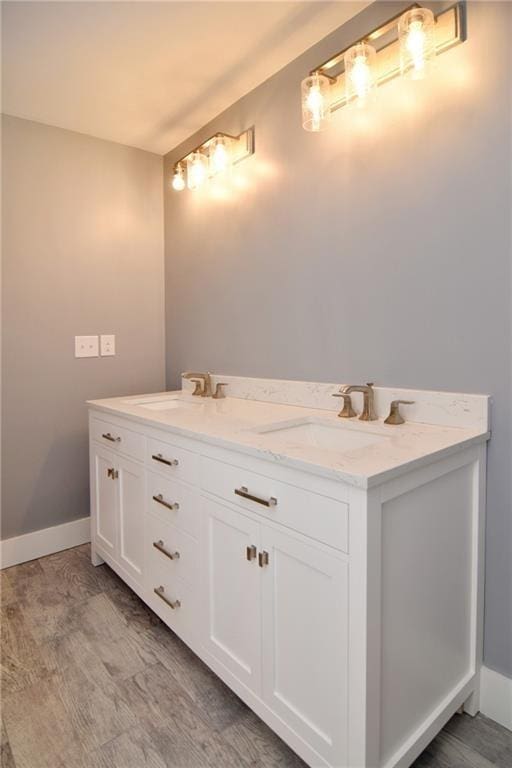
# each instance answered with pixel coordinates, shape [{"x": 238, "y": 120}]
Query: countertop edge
[{"x": 359, "y": 481}]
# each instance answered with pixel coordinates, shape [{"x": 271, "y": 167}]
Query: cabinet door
[
  {"x": 105, "y": 500},
  {"x": 231, "y": 591},
  {"x": 131, "y": 482},
  {"x": 304, "y": 626}
]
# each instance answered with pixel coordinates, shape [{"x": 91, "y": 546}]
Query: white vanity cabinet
[
  {"x": 348, "y": 618},
  {"x": 104, "y": 501},
  {"x": 275, "y": 615},
  {"x": 118, "y": 497},
  {"x": 304, "y": 637},
  {"x": 231, "y": 586}
]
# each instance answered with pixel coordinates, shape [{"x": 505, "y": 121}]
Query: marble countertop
[{"x": 233, "y": 423}]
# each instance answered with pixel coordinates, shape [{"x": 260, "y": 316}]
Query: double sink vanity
[{"x": 328, "y": 569}]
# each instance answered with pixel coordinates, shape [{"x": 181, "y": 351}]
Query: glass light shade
[
  {"x": 219, "y": 155},
  {"x": 316, "y": 106},
  {"x": 417, "y": 35},
  {"x": 360, "y": 77},
  {"x": 178, "y": 180},
  {"x": 197, "y": 170}
]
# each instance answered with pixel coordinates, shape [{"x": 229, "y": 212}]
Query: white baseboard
[
  {"x": 496, "y": 697},
  {"x": 30, "y": 546}
]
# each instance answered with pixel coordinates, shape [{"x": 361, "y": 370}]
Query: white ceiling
[{"x": 149, "y": 74}]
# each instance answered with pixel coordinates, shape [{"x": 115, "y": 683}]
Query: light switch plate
[
  {"x": 107, "y": 345},
  {"x": 86, "y": 346}
]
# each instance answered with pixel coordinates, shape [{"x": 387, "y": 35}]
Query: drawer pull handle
[
  {"x": 262, "y": 559},
  {"x": 244, "y": 493},
  {"x": 169, "y": 462},
  {"x": 160, "y": 500},
  {"x": 110, "y": 437},
  {"x": 250, "y": 553},
  {"x": 160, "y": 592},
  {"x": 160, "y": 546}
]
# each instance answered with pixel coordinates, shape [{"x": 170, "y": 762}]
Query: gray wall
[
  {"x": 379, "y": 250},
  {"x": 82, "y": 254}
]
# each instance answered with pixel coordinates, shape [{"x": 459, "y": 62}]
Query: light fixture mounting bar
[
  {"x": 450, "y": 31},
  {"x": 370, "y": 37},
  {"x": 241, "y": 146}
]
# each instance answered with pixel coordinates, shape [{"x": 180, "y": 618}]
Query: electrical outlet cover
[
  {"x": 86, "y": 346},
  {"x": 107, "y": 345}
]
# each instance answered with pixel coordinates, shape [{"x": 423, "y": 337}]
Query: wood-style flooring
[{"x": 92, "y": 679}]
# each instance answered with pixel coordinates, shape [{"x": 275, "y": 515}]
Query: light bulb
[
  {"x": 178, "y": 180},
  {"x": 316, "y": 107},
  {"x": 197, "y": 170},
  {"x": 415, "y": 44},
  {"x": 416, "y": 32},
  {"x": 360, "y": 73},
  {"x": 219, "y": 156},
  {"x": 360, "y": 76}
]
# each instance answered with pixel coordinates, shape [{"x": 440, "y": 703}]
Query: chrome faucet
[
  {"x": 202, "y": 381},
  {"x": 368, "y": 412}
]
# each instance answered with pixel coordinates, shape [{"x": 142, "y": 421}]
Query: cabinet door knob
[
  {"x": 262, "y": 559},
  {"x": 250, "y": 552},
  {"x": 113, "y": 473}
]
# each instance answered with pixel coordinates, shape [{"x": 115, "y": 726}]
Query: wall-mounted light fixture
[
  {"x": 213, "y": 157},
  {"x": 178, "y": 179},
  {"x": 405, "y": 44},
  {"x": 417, "y": 35}
]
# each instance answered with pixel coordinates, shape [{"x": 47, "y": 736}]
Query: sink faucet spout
[{"x": 368, "y": 412}]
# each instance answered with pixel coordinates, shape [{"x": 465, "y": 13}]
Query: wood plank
[
  {"x": 136, "y": 613},
  {"x": 219, "y": 752},
  {"x": 38, "y": 726},
  {"x": 88, "y": 693},
  {"x": 96, "y": 708},
  {"x": 158, "y": 748},
  {"x": 23, "y": 571},
  {"x": 257, "y": 744},
  {"x": 157, "y": 700},
  {"x": 127, "y": 655},
  {"x": 47, "y": 612},
  {"x": 7, "y": 593},
  {"x": 6, "y": 756},
  {"x": 489, "y": 739},
  {"x": 71, "y": 574},
  {"x": 133, "y": 749},
  {"x": 446, "y": 751},
  {"x": 21, "y": 660},
  {"x": 219, "y": 706}
]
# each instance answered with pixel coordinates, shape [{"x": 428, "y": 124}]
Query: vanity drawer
[
  {"x": 119, "y": 439},
  {"x": 174, "y": 502},
  {"x": 175, "y": 550},
  {"x": 183, "y": 617},
  {"x": 172, "y": 461},
  {"x": 318, "y": 517}
]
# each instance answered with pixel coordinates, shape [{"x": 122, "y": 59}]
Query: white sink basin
[
  {"x": 316, "y": 433},
  {"x": 163, "y": 403}
]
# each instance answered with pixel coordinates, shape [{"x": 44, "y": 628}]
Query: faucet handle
[
  {"x": 198, "y": 389},
  {"x": 347, "y": 412},
  {"x": 219, "y": 393},
  {"x": 395, "y": 417}
]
